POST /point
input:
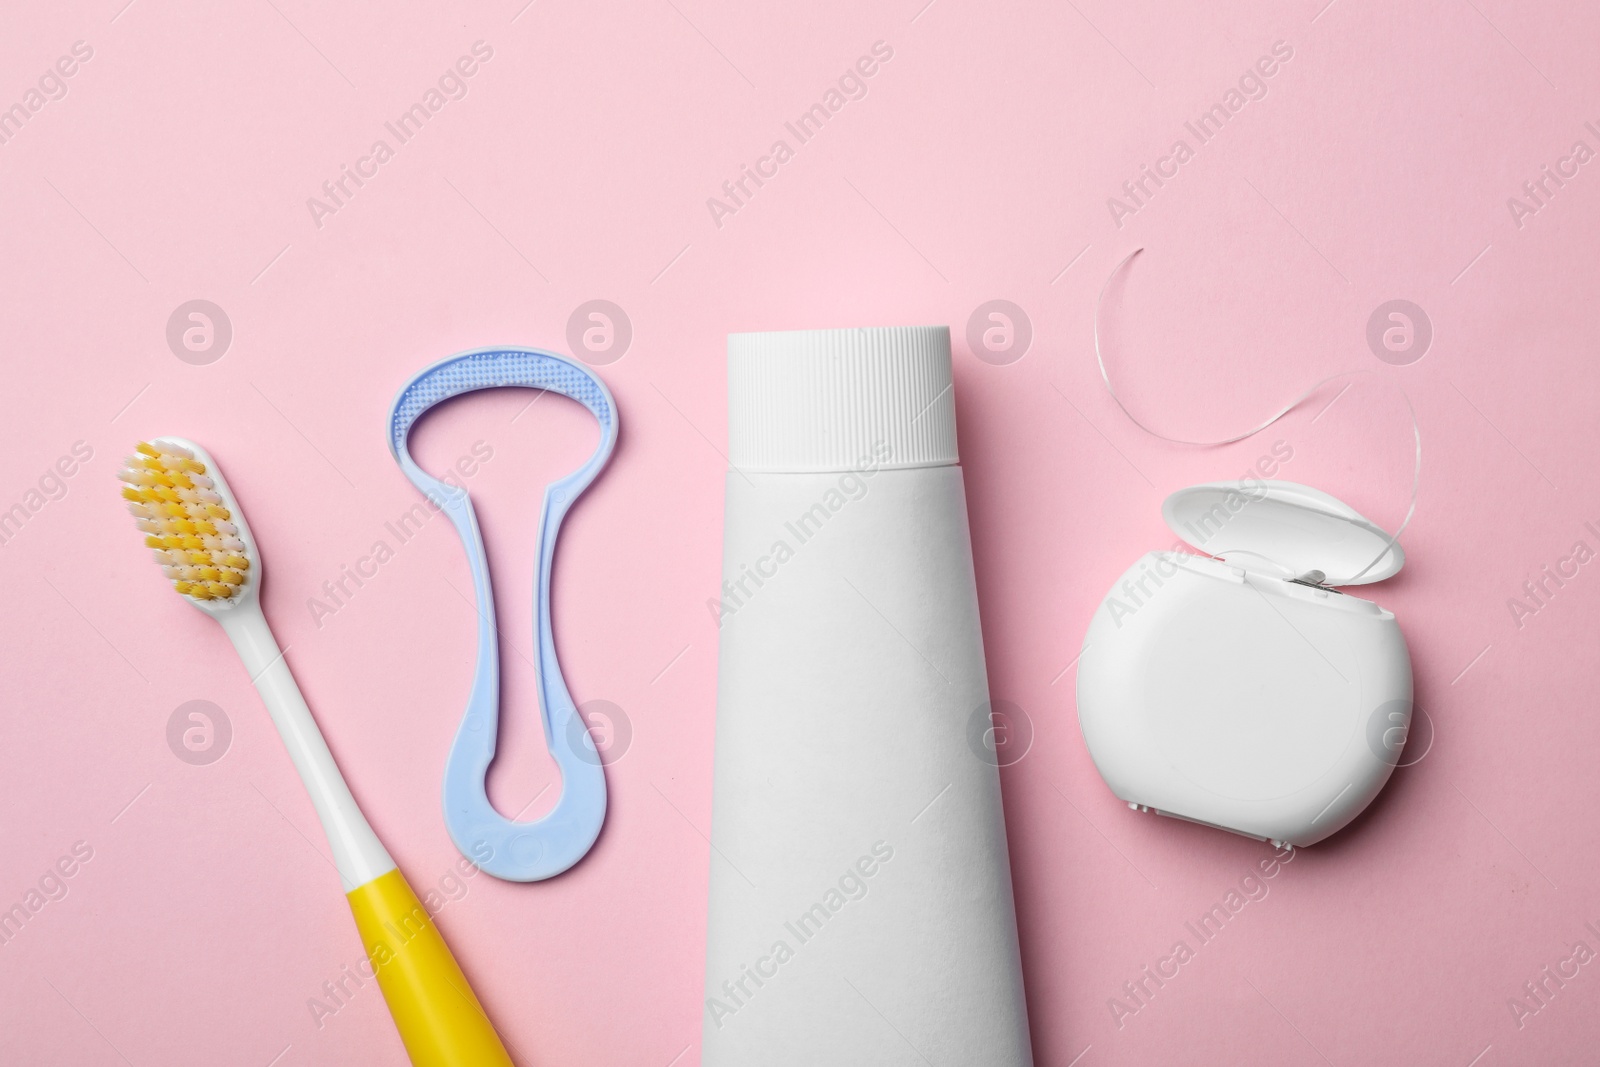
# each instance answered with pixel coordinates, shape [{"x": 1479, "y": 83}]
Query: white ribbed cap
[{"x": 838, "y": 400}]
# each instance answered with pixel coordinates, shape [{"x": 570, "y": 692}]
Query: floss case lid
[{"x": 1283, "y": 529}]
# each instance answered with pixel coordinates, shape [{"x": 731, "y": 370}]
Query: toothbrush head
[{"x": 191, "y": 522}]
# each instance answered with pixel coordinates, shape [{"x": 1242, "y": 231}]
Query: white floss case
[{"x": 1239, "y": 689}]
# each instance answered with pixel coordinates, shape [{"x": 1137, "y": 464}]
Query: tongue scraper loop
[{"x": 518, "y": 852}]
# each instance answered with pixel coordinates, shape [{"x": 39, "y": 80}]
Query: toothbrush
[{"x": 201, "y": 540}]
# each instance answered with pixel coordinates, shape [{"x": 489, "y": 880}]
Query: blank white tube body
[{"x": 860, "y": 903}]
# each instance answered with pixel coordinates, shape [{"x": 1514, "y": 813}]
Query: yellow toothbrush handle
[{"x": 435, "y": 1010}]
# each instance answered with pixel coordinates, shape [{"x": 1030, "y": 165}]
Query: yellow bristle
[{"x": 183, "y": 522}]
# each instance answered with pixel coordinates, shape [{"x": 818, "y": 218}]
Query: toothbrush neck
[{"x": 357, "y": 852}]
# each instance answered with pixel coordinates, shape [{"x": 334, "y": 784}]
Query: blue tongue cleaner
[{"x": 518, "y": 852}]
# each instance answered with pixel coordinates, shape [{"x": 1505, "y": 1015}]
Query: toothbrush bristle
[{"x": 186, "y": 525}]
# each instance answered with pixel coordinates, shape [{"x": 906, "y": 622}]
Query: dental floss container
[
  {"x": 860, "y": 888},
  {"x": 1240, "y": 689}
]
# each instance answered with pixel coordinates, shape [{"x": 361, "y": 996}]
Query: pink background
[{"x": 977, "y": 167}]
